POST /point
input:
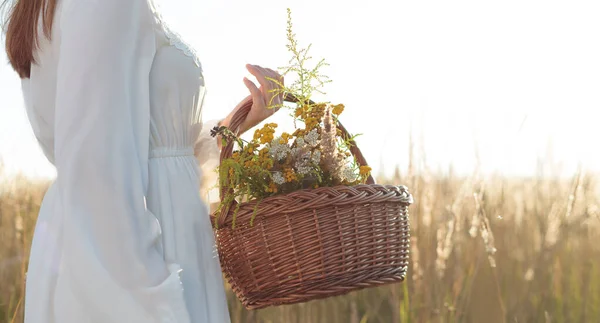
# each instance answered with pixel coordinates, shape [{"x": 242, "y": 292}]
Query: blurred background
[{"x": 487, "y": 111}]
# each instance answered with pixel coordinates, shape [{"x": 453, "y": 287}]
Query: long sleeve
[{"x": 112, "y": 267}]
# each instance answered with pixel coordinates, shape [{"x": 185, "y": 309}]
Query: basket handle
[{"x": 237, "y": 120}]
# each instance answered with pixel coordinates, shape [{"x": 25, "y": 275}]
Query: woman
[{"x": 114, "y": 98}]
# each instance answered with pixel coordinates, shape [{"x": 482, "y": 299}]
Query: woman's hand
[{"x": 262, "y": 97}]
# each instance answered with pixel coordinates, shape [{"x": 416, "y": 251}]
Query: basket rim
[{"x": 391, "y": 193}]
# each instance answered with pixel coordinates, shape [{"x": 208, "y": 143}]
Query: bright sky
[{"x": 511, "y": 78}]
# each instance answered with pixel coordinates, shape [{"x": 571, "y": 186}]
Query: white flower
[
  {"x": 312, "y": 137},
  {"x": 316, "y": 156},
  {"x": 303, "y": 169},
  {"x": 278, "y": 178},
  {"x": 300, "y": 141},
  {"x": 278, "y": 150},
  {"x": 348, "y": 174},
  {"x": 302, "y": 164},
  {"x": 305, "y": 157}
]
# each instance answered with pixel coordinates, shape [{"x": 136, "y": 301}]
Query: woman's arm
[
  {"x": 111, "y": 264},
  {"x": 207, "y": 151}
]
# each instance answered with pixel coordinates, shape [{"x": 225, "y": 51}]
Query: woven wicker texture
[{"x": 313, "y": 243}]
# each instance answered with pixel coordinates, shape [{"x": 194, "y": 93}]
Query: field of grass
[{"x": 484, "y": 249}]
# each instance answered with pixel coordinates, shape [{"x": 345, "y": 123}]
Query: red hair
[{"x": 21, "y": 26}]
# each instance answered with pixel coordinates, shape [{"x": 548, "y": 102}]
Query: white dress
[{"x": 123, "y": 235}]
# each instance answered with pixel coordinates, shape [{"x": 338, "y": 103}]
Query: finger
[
  {"x": 275, "y": 81},
  {"x": 275, "y": 75},
  {"x": 270, "y": 77},
  {"x": 270, "y": 98},
  {"x": 260, "y": 74},
  {"x": 264, "y": 70},
  {"x": 275, "y": 101},
  {"x": 279, "y": 98},
  {"x": 257, "y": 97},
  {"x": 256, "y": 70}
]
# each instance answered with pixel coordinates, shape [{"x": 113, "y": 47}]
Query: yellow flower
[
  {"x": 311, "y": 123},
  {"x": 364, "y": 170},
  {"x": 289, "y": 175},
  {"x": 265, "y": 139},
  {"x": 338, "y": 109},
  {"x": 272, "y": 188},
  {"x": 299, "y": 132},
  {"x": 320, "y": 106},
  {"x": 267, "y": 163},
  {"x": 257, "y": 134},
  {"x": 249, "y": 163},
  {"x": 265, "y": 134}
]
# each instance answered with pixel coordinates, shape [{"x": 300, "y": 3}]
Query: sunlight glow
[{"x": 514, "y": 82}]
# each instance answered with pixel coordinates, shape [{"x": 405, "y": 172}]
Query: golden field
[{"x": 484, "y": 249}]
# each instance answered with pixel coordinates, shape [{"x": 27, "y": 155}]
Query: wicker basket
[{"x": 313, "y": 243}]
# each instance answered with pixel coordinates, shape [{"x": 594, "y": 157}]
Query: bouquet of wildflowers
[{"x": 315, "y": 155}]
